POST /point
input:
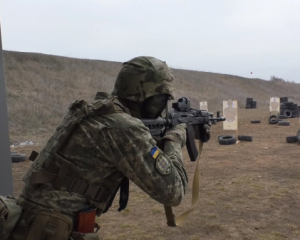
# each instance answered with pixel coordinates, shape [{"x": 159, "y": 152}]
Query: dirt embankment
[{"x": 40, "y": 87}]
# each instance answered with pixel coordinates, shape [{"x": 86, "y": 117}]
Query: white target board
[
  {"x": 203, "y": 106},
  {"x": 231, "y": 114},
  {"x": 274, "y": 104}
]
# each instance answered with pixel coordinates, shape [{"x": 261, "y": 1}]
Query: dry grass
[{"x": 40, "y": 88}]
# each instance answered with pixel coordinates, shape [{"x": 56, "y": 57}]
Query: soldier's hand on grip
[{"x": 207, "y": 129}]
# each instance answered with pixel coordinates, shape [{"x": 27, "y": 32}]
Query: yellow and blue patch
[{"x": 154, "y": 152}]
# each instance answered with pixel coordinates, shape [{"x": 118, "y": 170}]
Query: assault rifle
[{"x": 183, "y": 113}]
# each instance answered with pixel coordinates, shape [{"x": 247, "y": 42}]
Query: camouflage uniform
[{"x": 97, "y": 145}]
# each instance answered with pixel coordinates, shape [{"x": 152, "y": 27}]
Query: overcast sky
[{"x": 223, "y": 36}]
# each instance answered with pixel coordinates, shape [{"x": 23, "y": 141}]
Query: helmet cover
[{"x": 143, "y": 77}]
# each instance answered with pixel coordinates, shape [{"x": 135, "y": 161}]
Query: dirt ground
[{"x": 250, "y": 190}]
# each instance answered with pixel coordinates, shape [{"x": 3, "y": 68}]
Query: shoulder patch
[
  {"x": 154, "y": 152},
  {"x": 163, "y": 165}
]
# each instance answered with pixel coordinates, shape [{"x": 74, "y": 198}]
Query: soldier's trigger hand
[
  {"x": 177, "y": 134},
  {"x": 204, "y": 133},
  {"x": 207, "y": 128}
]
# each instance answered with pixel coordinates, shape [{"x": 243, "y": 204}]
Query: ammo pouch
[
  {"x": 10, "y": 213},
  {"x": 50, "y": 225}
]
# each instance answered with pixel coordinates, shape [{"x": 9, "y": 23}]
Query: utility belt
[
  {"x": 51, "y": 225},
  {"x": 64, "y": 178}
]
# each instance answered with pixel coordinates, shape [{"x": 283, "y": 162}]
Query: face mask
[{"x": 153, "y": 106}]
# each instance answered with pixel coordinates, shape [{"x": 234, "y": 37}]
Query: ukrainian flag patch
[{"x": 154, "y": 152}]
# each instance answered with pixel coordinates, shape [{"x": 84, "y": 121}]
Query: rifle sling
[{"x": 173, "y": 221}]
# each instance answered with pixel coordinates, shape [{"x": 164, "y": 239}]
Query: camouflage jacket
[{"x": 103, "y": 148}]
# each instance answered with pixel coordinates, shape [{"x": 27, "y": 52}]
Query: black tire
[
  {"x": 284, "y": 108},
  {"x": 284, "y": 99},
  {"x": 245, "y": 138},
  {"x": 249, "y": 100},
  {"x": 288, "y": 113},
  {"x": 295, "y": 113},
  {"x": 248, "y": 106},
  {"x": 17, "y": 157},
  {"x": 255, "y": 121},
  {"x": 227, "y": 139},
  {"x": 289, "y": 104},
  {"x": 253, "y": 104},
  {"x": 273, "y": 119},
  {"x": 291, "y": 139},
  {"x": 282, "y": 117},
  {"x": 284, "y": 123},
  {"x": 298, "y": 136}
]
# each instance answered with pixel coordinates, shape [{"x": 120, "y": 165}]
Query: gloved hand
[
  {"x": 207, "y": 128},
  {"x": 176, "y": 134},
  {"x": 204, "y": 133}
]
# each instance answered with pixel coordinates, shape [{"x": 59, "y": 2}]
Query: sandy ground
[{"x": 250, "y": 190}]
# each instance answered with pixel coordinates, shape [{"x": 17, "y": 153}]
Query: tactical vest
[{"x": 50, "y": 167}]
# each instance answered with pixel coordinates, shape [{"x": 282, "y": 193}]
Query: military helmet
[{"x": 143, "y": 77}]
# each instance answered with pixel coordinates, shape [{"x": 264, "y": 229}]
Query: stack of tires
[
  {"x": 250, "y": 104},
  {"x": 288, "y": 109}
]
